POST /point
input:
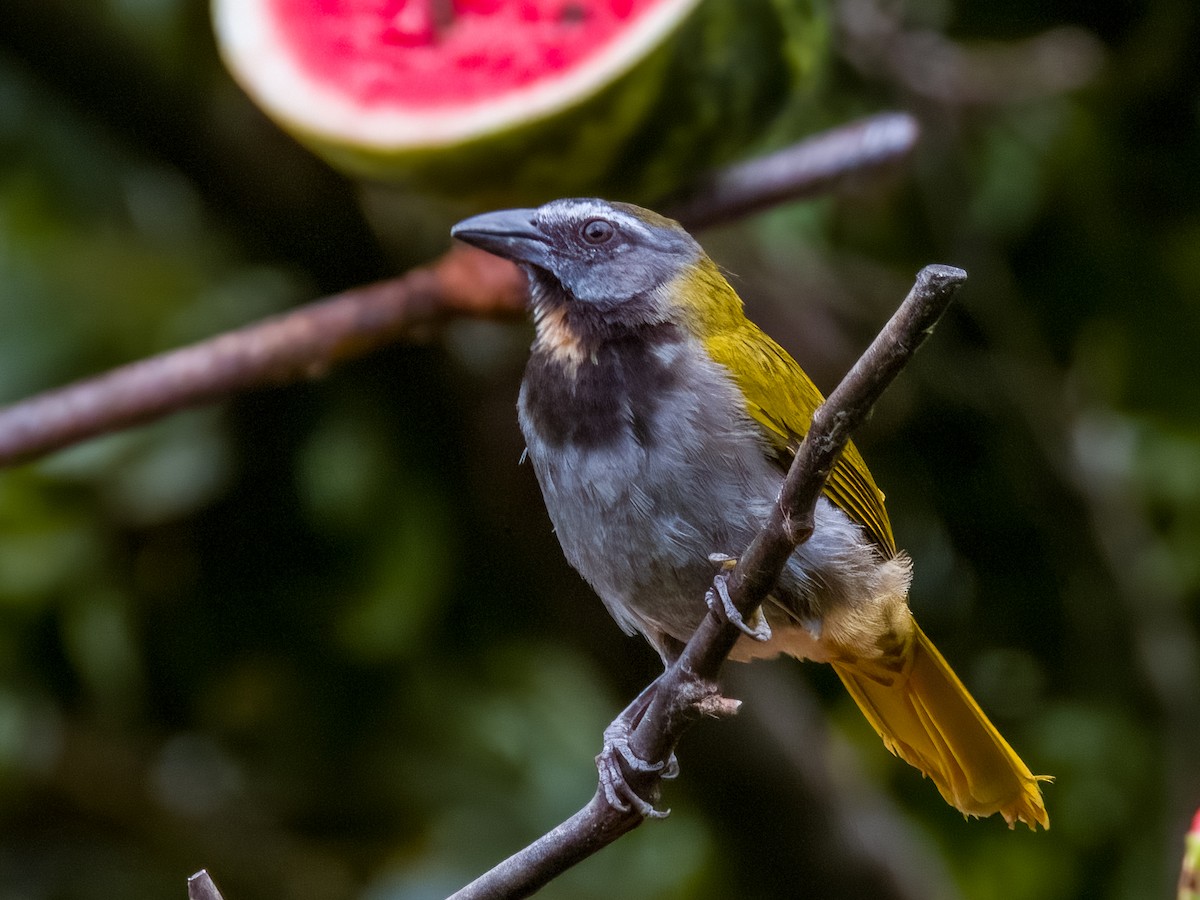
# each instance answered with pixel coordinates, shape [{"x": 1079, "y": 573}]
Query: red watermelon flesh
[
  {"x": 437, "y": 53},
  {"x": 517, "y": 101}
]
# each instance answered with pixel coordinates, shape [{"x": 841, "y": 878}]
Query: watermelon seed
[
  {"x": 573, "y": 13},
  {"x": 443, "y": 14}
]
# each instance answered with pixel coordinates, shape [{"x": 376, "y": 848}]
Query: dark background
[{"x": 321, "y": 640}]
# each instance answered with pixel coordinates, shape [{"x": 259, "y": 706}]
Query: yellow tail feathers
[{"x": 926, "y": 717}]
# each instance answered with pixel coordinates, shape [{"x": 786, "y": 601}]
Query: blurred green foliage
[{"x": 320, "y": 639}]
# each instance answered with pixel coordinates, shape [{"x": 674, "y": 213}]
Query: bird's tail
[{"x": 926, "y": 717}]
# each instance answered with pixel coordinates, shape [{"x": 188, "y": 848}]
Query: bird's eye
[{"x": 597, "y": 231}]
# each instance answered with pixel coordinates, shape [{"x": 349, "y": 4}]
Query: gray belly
[{"x": 639, "y": 504}]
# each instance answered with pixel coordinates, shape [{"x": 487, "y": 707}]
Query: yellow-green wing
[{"x": 782, "y": 398}]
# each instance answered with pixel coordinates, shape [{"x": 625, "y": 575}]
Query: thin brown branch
[
  {"x": 687, "y": 690},
  {"x": 812, "y": 167},
  {"x": 201, "y": 887},
  {"x": 282, "y": 349},
  {"x": 308, "y": 341},
  {"x": 930, "y": 65}
]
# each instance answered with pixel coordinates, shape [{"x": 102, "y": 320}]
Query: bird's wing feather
[{"x": 782, "y": 399}]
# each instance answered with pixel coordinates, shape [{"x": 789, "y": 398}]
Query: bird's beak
[{"x": 510, "y": 233}]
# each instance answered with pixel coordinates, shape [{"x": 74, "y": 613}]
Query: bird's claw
[
  {"x": 724, "y": 560},
  {"x": 617, "y": 763},
  {"x": 718, "y": 599}
]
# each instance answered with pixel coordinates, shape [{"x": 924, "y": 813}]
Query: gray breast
[{"x": 647, "y": 466}]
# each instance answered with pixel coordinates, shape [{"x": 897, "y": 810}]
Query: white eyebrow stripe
[{"x": 579, "y": 210}]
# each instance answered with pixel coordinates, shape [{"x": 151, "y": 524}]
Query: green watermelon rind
[{"x": 713, "y": 84}]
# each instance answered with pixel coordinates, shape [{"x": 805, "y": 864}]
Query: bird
[{"x": 660, "y": 422}]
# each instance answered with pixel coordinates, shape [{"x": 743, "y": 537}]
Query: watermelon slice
[{"x": 522, "y": 99}]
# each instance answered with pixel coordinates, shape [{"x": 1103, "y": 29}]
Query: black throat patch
[{"x": 605, "y": 388}]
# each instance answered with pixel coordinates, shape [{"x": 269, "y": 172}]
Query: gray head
[{"x": 609, "y": 256}]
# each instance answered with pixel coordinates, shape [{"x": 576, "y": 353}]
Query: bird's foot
[
  {"x": 618, "y": 765},
  {"x": 719, "y": 601},
  {"x": 724, "y": 560}
]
